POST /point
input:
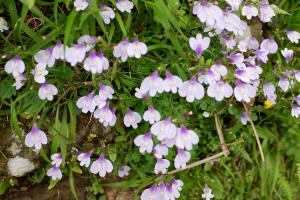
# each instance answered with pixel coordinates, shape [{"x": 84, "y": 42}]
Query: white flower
[
  {"x": 120, "y": 51},
  {"x": 101, "y": 166},
  {"x": 81, "y": 4},
  {"x": 3, "y": 24},
  {"x": 235, "y": 4},
  {"x": 58, "y": 51},
  {"x": 39, "y": 73},
  {"x": 269, "y": 46},
  {"x": 153, "y": 84},
  {"x": 293, "y": 36},
  {"x": 144, "y": 142},
  {"x": 185, "y": 138},
  {"x": 88, "y": 41},
  {"x": 191, "y": 90},
  {"x": 75, "y": 54},
  {"x": 104, "y": 115},
  {"x": 136, "y": 49},
  {"x": 19, "y": 81},
  {"x": 161, "y": 166},
  {"x": 54, "y": 173},
  {"x": 45, "y": 56},
  {"x": 207, "y": 195},
  {"x": 151, "y": 115},
  {"x": 199, "y": 44},
  {"x": 86, "y": 103},
  {"x": 124, "y": 5},
  {"x": 132, "y": 119},
  {"x": 181, "y": 159},
  {"x": 123, "y": 171},
  {"x": 160, "y": 150},
  {"x": 95, "y": 64},
  {"x": 164, "y": 129},
  {"x": 172, "y": 83},
  {"x": 106, "y": 92},
  {"x": 15, "y": 66},
  {"x": 47, "y": 91},
  {"x": 266, "y": 13},
  {"x": 106, "y": 14},
  {"x": 249, "y": 11}
]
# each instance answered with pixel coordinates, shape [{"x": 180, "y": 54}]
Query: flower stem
[
  {"x": 220, "y": 133},
  {"x": 255, "y": 133}
]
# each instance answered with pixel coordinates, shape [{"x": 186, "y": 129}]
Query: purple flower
[
  {"x": 229, "y": 42},
  {"x": 113, "y": 120},
  {"x": 199, "y": 44},
  {"x": 269, "y": 46},
  {"x": 47, "y": 91},
  {"x": 141, "y": 93},
  {"x": 123, "y": 171},
  {"x": 101, "y": 166},
  {"x": 54, "y": 173},
  {"x": 235, "y": 4},
  {"x": 249, "y": 11},
  {"x": 244, "y": 91},
  {"x": 176, "y": 188},
  {"x": 287, "y": 54},
  {"x": 169, "y": 142},
  {"x": 106, "y": 92},
  {"x": 40, "y": 72},
  {"x": 219, "y": 69},
  {"x": 81, "y": 4},
  {"x": 160, "y": 150},
  {"x": 297, "y": 75},
  {"x": 86, "y": 103},
  {"x": 219, "y": 90},
  {"x": 58, "y": 51},
  {"x": 132, "y": 119},
  {"x": 261, "y": 55},
  {"x": 266, "y": 13},
  {"x": 19, "y": 81},
  {"x": 293, "y": 36},
  {"x": 236, "y": 59},
  {"x": 15, "y": 66},
  {"x": 207, "y": 12},
  {"x": 120, "y": 51},
  {"x": 136, "y": 49},
  {"x": 297, "y": 99},
  {"x": 151, "y": 193},
  {"x": 35, "y": 138},
  {"x": 284, "y": 83},
  {"x": 296, "y": 111},
  {"x": 185, "y": 138},
  {"x": 192, "y": 90},
  {"x": 164, "y": 129},
  {"x": 88, "y": 41},
  {"x": 95, "y": 64},
  {"x": 75, "y": 54},
  {"x": 161, "y": 166},
  {"x": 269, "y": 92},
  {"x": 207, "y": 193},
  {"x": 104, "y": 115},
  {"x": 56, "y": 159},
  {"x": 124, "y": 5},
  {"x": 172, "y": 83},
  {"x": 153, "y": 84},
  {"x": 85, "y": 158},
  {"x": 45, "y": 56},
  {"x": 107, "y": 14},
  {"x": 245, "y": 118},
  {"x": 144, "y": 142},
  {"x": 151, "y": 115},
  {"x": 181, "y": 159}
]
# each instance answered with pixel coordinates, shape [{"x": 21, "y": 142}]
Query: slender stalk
[
  {"x": 199, "y": 162},
  {"x": 255, "y": 133},
  {"x": 220, "y": 133}
]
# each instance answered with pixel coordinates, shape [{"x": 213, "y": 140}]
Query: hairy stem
[
  {"x": 220, "y": 133},
  {"x": 255, "y": 133}
]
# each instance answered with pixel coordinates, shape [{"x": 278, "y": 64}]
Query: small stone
[{"x": 19, "y": 166}]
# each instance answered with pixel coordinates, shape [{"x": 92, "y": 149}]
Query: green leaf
[
  {"x": 14, "y": 121},
  {"x": 55, "y": 133},
  {"x": 52, "y": 184},
  {"x": 72, "y": 121},
  {"x": 4, "y": 185},
  {"x": 72, "y": 185},
  {"x": 69, "y": 27},
  {"x": 279, "y": 11},
  {"x": 28, "y": 3},
  {"x": 121, "y": 24},
  {"x": 64, "y": 134}
]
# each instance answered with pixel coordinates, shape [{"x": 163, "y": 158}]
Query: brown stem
[
  {"x": 220, "y": 133},
  {"x": 255, "y": 133}
]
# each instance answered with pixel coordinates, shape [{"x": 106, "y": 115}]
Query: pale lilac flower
[
  {"x": 124, "y": 5},
  {"x": 136, "y": 49},
  {"x": 160, "y": 150},
  {"x": 293, "y": 36},
  {"x": 86, "y": 103},
  {"x": 237, "y": 59},
  {"x": 229, "y": 42},
  {"x": 101, "y": 166},
  {"x": 151, "y": 115},
  {"x": 202, "y": 77},
  {"x": 181, "y": 158},
  {"x": 19, "y": 81},
  {"x": 35, "y": 138},
  {"x": 231, "y": 22},
  {"x": 123, "y": 171},
  {"x": 219, "y": 69},
  {"x": 75, "y": 54},
  {"x": 269, "y": 92},
  {"x": 58, "y": 51},
  {"x": 266, "y": 13},
  {"x": 153, "y": 84},
  {"x": 212, "y": 77},
  {"x": 120, "y": 51},
  {"x": 191, "y": 90},
  {"x": 206, "y": 114},
  {"x": 245, "y": 118},
  {"x": 93, "y": 63},
  {"x": 81, "y": 4},
  {"x": 235, "y": 4},
  {"x": 47, "y": 91},
  {"x": 249, "y": 43},
  {"x": 98, "y": 101},
  {"x": 88, "y": 41},
  {"x": 39, "y": 73},
  {"x": 164, "y": 129},
  {"x": 113, "y": 120},
  {"x": 244, "y": 91},
  {"x": 261, "y": 55},
  {"x": 132, "y": 119},
  {"x": 172, "y": 82},
  {"x": 85, "y": 158},
  {"x": 297, "y": 75},
  {"x": 269, "y": 46},
  {"x": 177, "y": 187},
  {"x": 3, "y": 25},
  {"x": 185, "y": 138},
  {"x": 106, "y": 91},
  {"x": 107, "y": 14},
  {"x": 207, "y": 195},
  {"x": 54, "y": 173},
  {"x": 249, "y": 11},
  {"x": 151, "y": 194},
  {"x": 296, "y": 111},
  {"x": 284, "y": 83},
  {"x": 161, "y": 166},
  {"x": 219, "y": 90},
  {"x": 104, "y": 115},
  {"x": 297, "y": 99},
  {"x": 199, "y": 44},
  {"x": 144, "y": 142},
  {"x": 287, "y": 54},
  {"x": 15, "y": 66},
  {"x": 207, "y": 12},
  {"x": 56, "y": 159},
  {"x": 169, "y": 142},
  {"x": 45, "y": 56},
  {"x": 141, "y": 93}
]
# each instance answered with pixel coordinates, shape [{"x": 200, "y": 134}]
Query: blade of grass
[
  {"x": 14, "y": 122},
  {"x": 72, "y": 121},
  {"x": 121, "y": 24},
  {"x": 69, "y": 26},
  {"x": 64, "y": 134},
  {"x": 55, "y": 136},
  {"x": 72, "y": 185}
]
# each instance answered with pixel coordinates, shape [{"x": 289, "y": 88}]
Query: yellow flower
[{"x": 268, "y": 104}]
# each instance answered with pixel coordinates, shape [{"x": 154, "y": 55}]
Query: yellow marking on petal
[{"x": 268, "y": 104}]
